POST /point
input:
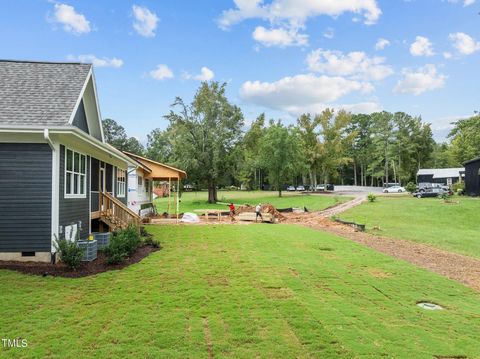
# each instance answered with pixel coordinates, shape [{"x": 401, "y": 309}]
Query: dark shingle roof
[{"x": 39, "y": 93}]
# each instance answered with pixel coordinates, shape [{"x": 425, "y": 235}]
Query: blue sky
[{"x": 281, "y": 57}]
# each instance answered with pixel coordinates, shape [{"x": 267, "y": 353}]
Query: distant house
[
  {"x": 446, "y": 176},
  {"x": 141, "y": 180},
  {"x": 58, "y": 176},
  {"x": 472, "y": 177}
]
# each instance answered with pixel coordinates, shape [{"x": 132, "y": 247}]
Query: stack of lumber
[{"x": 251, "y": 216}]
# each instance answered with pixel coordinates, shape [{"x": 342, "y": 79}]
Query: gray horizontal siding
[
  {"x": 80, "y": 119},
  {"x": 25, "y": 197},
  {"x": 72, "y": 210}
]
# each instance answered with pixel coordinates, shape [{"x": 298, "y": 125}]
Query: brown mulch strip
[
  {"x": 451, "y": 265},
  {"x": 99, "y": 265}
]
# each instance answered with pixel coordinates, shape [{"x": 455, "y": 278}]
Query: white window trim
[
  {"x": 124, "y": 183},
  {"x": 70, "y": 195}
]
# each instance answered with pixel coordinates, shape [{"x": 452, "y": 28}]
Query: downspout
[{"x": 54, "y": 214}]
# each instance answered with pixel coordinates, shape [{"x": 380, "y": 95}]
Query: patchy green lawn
[
  {"x": 454, "y": 227},
  {"x": 198, "y": 200},
  {"x": 271, "y": 291}
]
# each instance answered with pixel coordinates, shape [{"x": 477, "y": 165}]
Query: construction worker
[
  {"x": 231, "y": 206},
  {"x": 258, "y": 213}
]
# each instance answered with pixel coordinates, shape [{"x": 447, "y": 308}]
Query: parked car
[
  {"x": 330, "y": 187},
  {"x": 300, "y": 188},
  {"x": 291, "y": 189},
  {"x": 394, "y": 189},
  {"x": 320, "y": 187},
  {"x": 429, "y": 192}
]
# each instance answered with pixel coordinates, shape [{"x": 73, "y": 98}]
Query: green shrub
[
  {"x": 458, "y": 187},
  {"x": 70, "y": 253},
  {"x": 371, "y": 198},
  {"x": 411, "y": 187},
  {"x": 122, "y": 244}
]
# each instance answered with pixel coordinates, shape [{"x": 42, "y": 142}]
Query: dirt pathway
[
  {"x": 451, "y": 265},
  {"x": 342, "y": 207}
]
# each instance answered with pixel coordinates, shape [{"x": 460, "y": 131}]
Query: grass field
[
  {"x": 198, "y": 200},
  {"x": 268, "y": 291},
  {"x": 454, "y": 227}
]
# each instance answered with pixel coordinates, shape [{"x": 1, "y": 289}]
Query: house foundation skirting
[{"x": 17, "y": 256}]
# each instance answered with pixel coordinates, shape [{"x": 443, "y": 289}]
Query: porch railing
[{"x": 116, "y": 213}]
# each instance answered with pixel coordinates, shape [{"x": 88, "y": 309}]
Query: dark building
[
  {"x": 446, "y": 176},
  {"x": 472, "y": 177}
]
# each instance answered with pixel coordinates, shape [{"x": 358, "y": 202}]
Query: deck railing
[{"x": 112, "y": 208}]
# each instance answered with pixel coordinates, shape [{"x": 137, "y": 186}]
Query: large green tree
[
  {"x": 205, "y": 134},
  {"x": 159, "y": 147},
  {"x": 280, "y": 153},
  {"x": 250, "y": 171},
  {"x": 335, "y": 140},
  {"x": 465, "y": 140},
  {"x": 308, "y": 128}
]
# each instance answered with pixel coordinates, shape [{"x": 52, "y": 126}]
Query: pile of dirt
[
  {"x": 265, "y": 208},
  {"x": 314, "y": 220},
  {"x": 98, "y": 265}
]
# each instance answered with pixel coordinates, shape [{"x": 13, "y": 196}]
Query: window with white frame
[
  {"x": 75, "y": 174},
  {"x": 121, "y": 180}
]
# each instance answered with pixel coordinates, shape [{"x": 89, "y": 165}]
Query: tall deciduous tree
[
  {"x": 465, "y": 139},
  {"x": 281, "y": 154},
  {"x": 335, "y": 140},
  {"x": 159, "y": 147},
  {"x": 205, "y": 133},
  {"x": 308, "y": 128},
  {"x": 251, "y": 164}
]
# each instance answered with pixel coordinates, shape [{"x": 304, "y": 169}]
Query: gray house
[
  {"x": 58, "y": 176},
  {"x": 445, "y": 176}
]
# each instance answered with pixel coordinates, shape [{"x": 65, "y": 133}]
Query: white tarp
[{"x": 190, "y": 218}]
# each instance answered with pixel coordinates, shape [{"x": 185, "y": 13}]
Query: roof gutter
[
  {"x": 46, "y": 136},
  {"x": 68, "y": 130}
]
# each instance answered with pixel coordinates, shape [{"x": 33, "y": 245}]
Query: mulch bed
[
  {"x": 99, "y": 265},
  {"x": 455, "y": 266}
]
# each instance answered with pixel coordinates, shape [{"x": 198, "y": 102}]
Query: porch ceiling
[{"x": 159, "y": 171}]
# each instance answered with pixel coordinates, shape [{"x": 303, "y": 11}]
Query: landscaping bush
[
  {"x": 458, "y": 188},
  {"x": 411, "y": 187},
  {"x": 70, "y": 253},
  {"x": 371, "y": 198},
  {"x": 122, "y": 244}
]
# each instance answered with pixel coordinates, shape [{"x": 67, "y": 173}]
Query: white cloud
[
  {"x": 162, "y": 72},
  {"x": 447, "y": 55},
  {"x": 98, "y": 61},
  {"x": 465, "y": 2},
  {"x": 329, "y": 33},
  {"x": 465, "y": 44},
  {"x": 281, "y": 37},
  {"x": 353, "y": 64},
  {"x": 145, "y": 21},
  {"x": 205, "y": 75},
  {"x": 296, "y": 12},
  {"x": 381, "y": 44},
  {"x": 300, "y": 93},
  {"x": 71, "y": 20},
  {"x": 421, "y": 47},
  {"x": 423, "y": 79}
]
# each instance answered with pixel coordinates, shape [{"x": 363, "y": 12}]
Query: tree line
[{"x": 207, "y": 138}]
